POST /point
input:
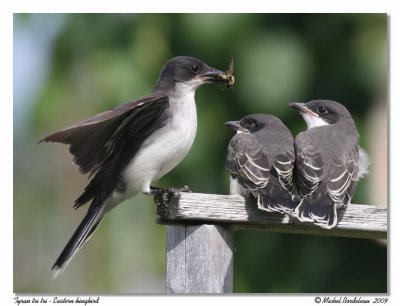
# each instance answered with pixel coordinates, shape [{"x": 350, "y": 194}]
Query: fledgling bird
[
  {"x": 329, "y": 161},
  {"x": 260, "y": 161},
  {"x": 129, "y": 147}
]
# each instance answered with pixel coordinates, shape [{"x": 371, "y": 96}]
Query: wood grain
[
  {"x": 199, "y": 259},
  {"x": 357, "y": 221}
]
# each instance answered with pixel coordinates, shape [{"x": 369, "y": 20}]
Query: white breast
[{"x": 166, "y": 147}]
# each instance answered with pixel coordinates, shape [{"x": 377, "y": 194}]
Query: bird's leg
[{"x": 162, "y": 196}]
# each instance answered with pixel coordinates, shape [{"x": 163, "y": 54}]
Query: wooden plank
[
  {"x": 199, "y": 259},
  {"x": 358, "y": 221}
]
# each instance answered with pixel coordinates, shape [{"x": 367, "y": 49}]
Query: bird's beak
[
  {"x": 219, "y": 77},
  {"x": 302, "y": 108},
  {"x": 212, "y": 75},
  {"x": 236, "y": 126}
]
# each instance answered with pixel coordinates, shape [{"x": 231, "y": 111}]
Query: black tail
[
  {"x": 320, "y": 211},
  {"x": 82, "y": 234},
  {"x": 276, "y": 198}
]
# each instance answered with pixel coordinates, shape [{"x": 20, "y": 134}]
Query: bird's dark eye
[
  {"x": 322, "y": 110},
  {"x": 195, "y": 68},
  {"x": 249, "y": 124}
]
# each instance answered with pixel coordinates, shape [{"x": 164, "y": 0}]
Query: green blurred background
[{"x": 70, "y": 66}]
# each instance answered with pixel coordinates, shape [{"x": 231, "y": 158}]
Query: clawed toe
[
  {"x": 162, "y": 196},
  {"x": 161, "y": 191}
]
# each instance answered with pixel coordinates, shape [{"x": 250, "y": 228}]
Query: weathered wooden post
[
  {"x": 199, "y": 259},
  {"x": 200, "y": 247}
]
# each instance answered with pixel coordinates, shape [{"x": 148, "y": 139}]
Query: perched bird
[
  {"x": 260, "y": 161},
  {"x": 129, "y": 147},
  {"x": 329, "y": 161}
]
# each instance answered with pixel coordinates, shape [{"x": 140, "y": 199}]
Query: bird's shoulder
[
  {"x": 243, "y": 142},
  {"x": 245, "y": 153},
  {"x": 326, "y": 138}
]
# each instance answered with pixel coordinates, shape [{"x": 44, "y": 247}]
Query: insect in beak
[{"x": 228, "y": 77}]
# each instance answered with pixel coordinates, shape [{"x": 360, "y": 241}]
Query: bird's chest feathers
[
  {"x": 167, "y": 146},
  {"x": 177, "y": 136},
  {"x": 180, "y": 129}
]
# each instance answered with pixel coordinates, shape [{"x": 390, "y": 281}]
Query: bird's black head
[
  {"x": 321, "y": 112},
  {"x": 187, "y": 72},
  {"x": 253, "y": 123}
]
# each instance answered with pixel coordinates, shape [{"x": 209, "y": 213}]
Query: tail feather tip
[{"x": 57, "y": 271}]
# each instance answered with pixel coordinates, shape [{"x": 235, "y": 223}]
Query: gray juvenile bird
[
  {"x": 131, "y": 146},
  {"x": 329, "y": 161},
  {"x": 260, "y": 161}
]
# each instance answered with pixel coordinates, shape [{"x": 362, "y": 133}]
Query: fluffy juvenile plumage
[
  {"x": 260, "y": 161},
  {"x": 329, "y": 161}
]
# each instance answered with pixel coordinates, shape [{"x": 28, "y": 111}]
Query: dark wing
[
  {"x": 105, "y": 143},
  {"x": 276, "y": 196},
  {"x": 309, "y": 171},
  {"x": 247, "y": 162},
  {"x": 315, "y": 206},
  {"x": 89, "y": 139},
  {"x": 342, "y": 176},
  {"x": 338, "y": 187},
  {"x": 284, "y": 165}
]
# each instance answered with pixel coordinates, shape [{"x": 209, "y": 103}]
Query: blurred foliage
[{"x": 101, "y": 60}]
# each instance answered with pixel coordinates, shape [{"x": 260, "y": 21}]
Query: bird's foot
[
  {"x": 162, "y": 196},
  {"x": 158, "y": 190}
]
